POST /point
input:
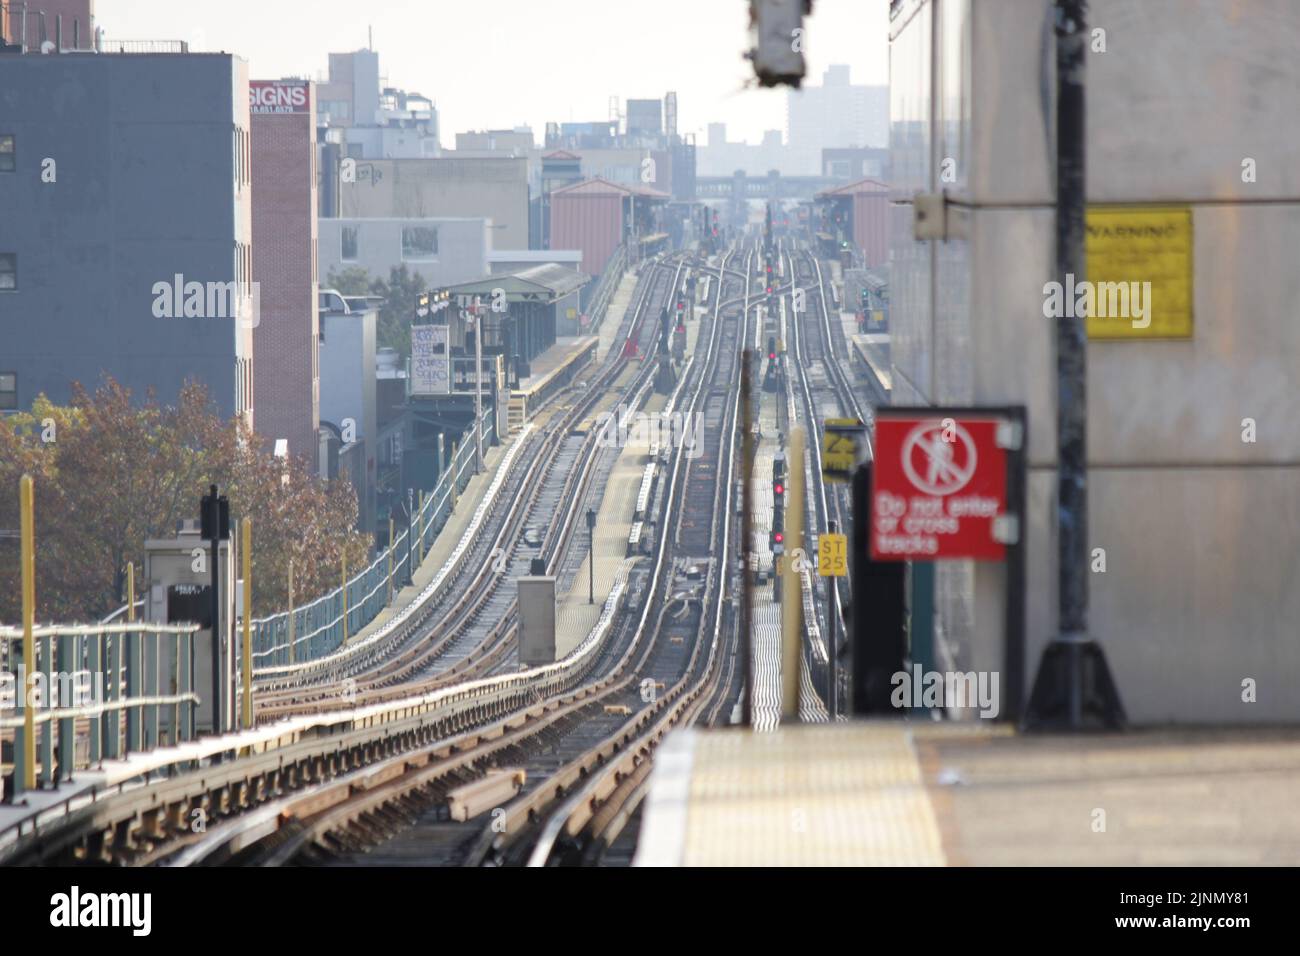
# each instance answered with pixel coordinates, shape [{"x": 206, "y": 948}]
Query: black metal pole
[
  {"x": 746, "y": 532},
  {"x": 410, "y": 531},
  {"x": 832, "y": 642},
  {"x": 1071, "y": 344},
  {"x": 1073, "y": 682},
  {"x": 591, "y": 561},
  {"x": 214, "y": 519}
]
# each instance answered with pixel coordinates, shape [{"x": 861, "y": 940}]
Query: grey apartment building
[{"x": 125, "y": 198}]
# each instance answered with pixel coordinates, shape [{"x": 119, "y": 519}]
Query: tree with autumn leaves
[{"x": 111, "y": 473}]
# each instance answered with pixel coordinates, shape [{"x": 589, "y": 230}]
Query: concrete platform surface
[{"x": 964, "y": 794}]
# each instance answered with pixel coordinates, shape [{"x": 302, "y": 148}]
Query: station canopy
[{"x": 545, "y": 284}]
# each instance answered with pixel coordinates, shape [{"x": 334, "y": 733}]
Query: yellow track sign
[
  {"x": 833, "y": 555},
  {"x": 1139, "y": 272},
  {"x": 840, "y": 448}
]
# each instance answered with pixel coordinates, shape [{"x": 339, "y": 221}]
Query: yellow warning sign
[
  {"x": 1139, "y": 273},
  {"x": 832, "y": 555},
  {"x": 840, "y": 448}
]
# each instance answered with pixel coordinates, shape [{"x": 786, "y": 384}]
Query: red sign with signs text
[{"x": 939, "y": 488}]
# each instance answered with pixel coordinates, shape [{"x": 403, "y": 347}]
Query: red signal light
[
  {"x": 779, "y": 488},
  {"x": 779, "y": 537},
  {"x": 771, "y": 355}
]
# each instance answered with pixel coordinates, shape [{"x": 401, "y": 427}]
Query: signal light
[
  {"x": 779, "y": 489},
  {"x": 779, "y": 537}
]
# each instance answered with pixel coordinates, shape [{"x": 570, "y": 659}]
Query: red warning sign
[{"x": 939, "y": 488}]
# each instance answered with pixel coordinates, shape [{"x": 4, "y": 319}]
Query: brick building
[
  {"x": 287, "y": 372},
  {"x": 72, "y": 21}
]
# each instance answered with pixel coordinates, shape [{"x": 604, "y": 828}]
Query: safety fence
[
  {"x": 606, "y": 286},
  {"x": 322, "y": 626},
  {"x": 63, "y": 696}
]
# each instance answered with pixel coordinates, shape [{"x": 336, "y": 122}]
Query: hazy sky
[{"x": 502, "y": 63}]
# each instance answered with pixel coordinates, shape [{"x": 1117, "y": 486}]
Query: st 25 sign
[{"x": 939, "y": 485}]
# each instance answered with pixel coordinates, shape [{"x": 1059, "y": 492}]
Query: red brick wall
[{"x": 284, "y": 266}]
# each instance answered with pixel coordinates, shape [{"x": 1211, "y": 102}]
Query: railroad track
[
  {"x": 130, "y": 824},
  {"x": 464, "y": 625},
  {"x": 818, "y": 387},
  {"x": 407, "y": 816}
]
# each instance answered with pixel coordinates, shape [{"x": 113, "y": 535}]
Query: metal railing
[
  {"x": 318, "y": 628},
  {"x": 144, "y": 46},
  {"x": 91, "y": 674},
  {"x": 608, "y": 284}
]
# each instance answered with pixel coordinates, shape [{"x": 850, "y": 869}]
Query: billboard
[
  {"x": 278, "y": 96},
  {"x": 430, "y": 360}
]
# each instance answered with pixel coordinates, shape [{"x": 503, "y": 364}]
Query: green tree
[
  {"x": 354, "y": 280},
  {"x": 111, "y": 473},
  {"x": 398, "y": 291}
]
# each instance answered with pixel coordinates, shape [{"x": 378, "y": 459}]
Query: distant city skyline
[{"x": 567, "y": 64}]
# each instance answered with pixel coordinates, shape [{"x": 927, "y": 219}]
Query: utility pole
[
  {"x": 1074, "y": 689},
  {"x": 477, "y": 311},
  {"x": 410, "y": 551},
  {"x": 215, "y": 527},
  {"x": 591, "y": 562},
  {"x": 747, "y": 455},
  {"x": 832, "y": 639}
]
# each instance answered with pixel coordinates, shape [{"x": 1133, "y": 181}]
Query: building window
[
  {"x": 419, "y": 242},
  {"x": 6, "y": 154},
  {"x": 8, "y": 271},
  {"x": 8, "y": 391},
  {"x": 350, "y": 244}
]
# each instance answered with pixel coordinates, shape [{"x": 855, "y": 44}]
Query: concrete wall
[
  {"x": 348, "y": 388},
  {"x": 463, "y": 246},
  {"x": 145, "y": 150},
  {"x": 1202, "y": 583},
  {"x": 495, "y": 189}
]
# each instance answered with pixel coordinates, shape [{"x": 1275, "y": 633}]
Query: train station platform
[
  {"x": 575, "y": 615},
  {"x": 552, "y": 370},
  {"x": 449, "y": 538},
  {"x": 892, "y": 792},
  {"x": 619, "y": 303},
  {"x": 872, "y": 350}
]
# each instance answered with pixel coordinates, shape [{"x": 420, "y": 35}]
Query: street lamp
[
  {"x": 476, "y": 310},
  {"x": 591, "y": 561}
]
